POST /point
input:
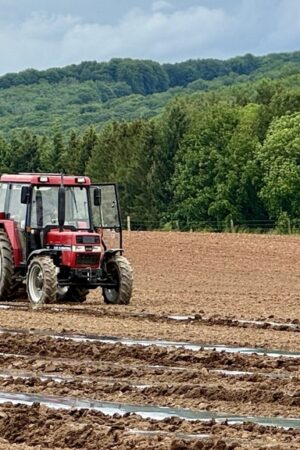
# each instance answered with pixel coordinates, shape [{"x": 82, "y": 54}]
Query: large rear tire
[
  {"x": 6, "y": 267},
  {"x": 74, "y": 294},
  {"x": 119, "y": 271},
  {"x": 41, "y": 281}
]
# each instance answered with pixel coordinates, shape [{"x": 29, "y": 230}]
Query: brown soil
[
  {"x": 38, "y": 425},
  {"x": 218, "y": 278}
]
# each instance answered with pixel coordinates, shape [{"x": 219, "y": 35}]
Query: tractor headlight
[
  {"x": 83, "y": 248},
  {"x": 78, "y": 248}
]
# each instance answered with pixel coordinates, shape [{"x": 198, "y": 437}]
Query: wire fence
[{"x": 254, "y": 226}]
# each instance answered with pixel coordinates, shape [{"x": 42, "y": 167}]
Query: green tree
[
  {"x": 203, "y": 166},
  {"x": 173, "y": 126},
  {"x": 24, "y": 152},
  {"x": 280, "y": 161},
  {"x": 57, "y": 149},
  {"x": 120, "y": 156},
  {"x": 71, "y": 157},
  {"x": 45, "y": 155},
  {"x": 88, "y": 143},
  {"x": 243, "y": 177},
  {"x": 4, "y": 155},
  {"x": 286, "y": 101}
]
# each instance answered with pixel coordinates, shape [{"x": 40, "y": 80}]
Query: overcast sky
[{"x": 52, "y": 33}]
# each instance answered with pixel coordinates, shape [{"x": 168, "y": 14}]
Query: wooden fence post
[
  {"x": 128, "y": 224},
  {"x": 232, "y": 226}
]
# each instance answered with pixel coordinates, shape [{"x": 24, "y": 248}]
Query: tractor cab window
[
  {"x": 106, "y": 215},
  {"x": 77, "y": 211},
  {"x": 3, "y": 190},
  {"x": 16, "y": 209},
  {"x": 44, "y": 208}
]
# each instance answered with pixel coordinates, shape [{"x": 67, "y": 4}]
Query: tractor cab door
[
  {"x": 106, "y": 216},
  {"x": 17, "y": 212}
]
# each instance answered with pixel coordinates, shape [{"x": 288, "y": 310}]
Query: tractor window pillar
[{"x": 3, "y": 190}]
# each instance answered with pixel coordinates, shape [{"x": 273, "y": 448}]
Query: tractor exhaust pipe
[{"x": 61, "y": 204}]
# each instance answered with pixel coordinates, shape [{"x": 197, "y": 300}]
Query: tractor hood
[
  {"x": 69, "y": 238},
  {"x": 78, "y": 249}
]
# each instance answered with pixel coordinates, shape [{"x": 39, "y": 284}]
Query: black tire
[
  {"x": 18, "y": 292},
  {"x": 119, "y": 270},
  {"x": 6, "y": 267},
  {"x": 61, "y": 293},
  {"x": 75, "y": 294},
  {"x": 41, "y": 281}
]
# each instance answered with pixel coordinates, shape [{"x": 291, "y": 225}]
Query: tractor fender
[
  {"x": 110, "y": 253},
  {"x": 43, "y": 251},
  {"x": 9, "y": 226}
]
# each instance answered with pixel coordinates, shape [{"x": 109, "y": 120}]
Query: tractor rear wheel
[
  {"x": 74, "y": 294},
  {"x": 41, "y": 281},
  {"x": 120, "y": 272},
  {"x": 6, "y": 267}
]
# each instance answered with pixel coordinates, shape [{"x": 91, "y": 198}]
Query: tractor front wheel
[
  {"x": 119, "y": 272},
  {"x": 6, "y": 267},
  {"x": 41, "y": 281}
]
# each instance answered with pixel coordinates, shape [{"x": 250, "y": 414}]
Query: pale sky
[{"x": 53, "y": 33}]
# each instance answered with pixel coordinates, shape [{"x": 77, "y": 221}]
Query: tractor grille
[
  {"x": 87, "y": 259},
  {"x": 94, "y": 239}
]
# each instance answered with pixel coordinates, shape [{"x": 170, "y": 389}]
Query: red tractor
[{"x": 52, "y": 239}]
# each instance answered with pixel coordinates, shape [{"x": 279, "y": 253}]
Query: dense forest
[
  {"x": 94, "y": 93},
  {"x": 202, "y": 144}
]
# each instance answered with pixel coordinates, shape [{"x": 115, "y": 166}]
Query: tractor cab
[{"x": 61, "y": 227}]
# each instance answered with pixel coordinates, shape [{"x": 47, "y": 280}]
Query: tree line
[
  {"x": 146, "y": 76},
  {"x": 93, "y": 93},
  {"x": 215, "y": 157}
]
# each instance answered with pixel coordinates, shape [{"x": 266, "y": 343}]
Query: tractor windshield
[{"x": 44, "y": 209}]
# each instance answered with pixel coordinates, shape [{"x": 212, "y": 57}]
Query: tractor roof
[{"x": 45, "y": 179}]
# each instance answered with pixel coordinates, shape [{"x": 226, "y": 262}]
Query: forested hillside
[
  {"x": 224, "y": 148},
  {"x": 93, "y": 93}
]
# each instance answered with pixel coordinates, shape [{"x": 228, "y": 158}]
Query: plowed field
[{"x": 206, "y": 356}]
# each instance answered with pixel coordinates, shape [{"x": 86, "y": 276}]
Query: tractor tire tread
[
  {"x": 7, "y": 276},
  {"x": 126, "y": 281},
  {"x": 126, "y": 272},
  {"x": 50, "y": 277}
]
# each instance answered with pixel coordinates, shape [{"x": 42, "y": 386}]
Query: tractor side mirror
[
  {"x": 61, "y": 206},
  {"x": 97, "y": 196},
  {"x": 25, "y": 195}
]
